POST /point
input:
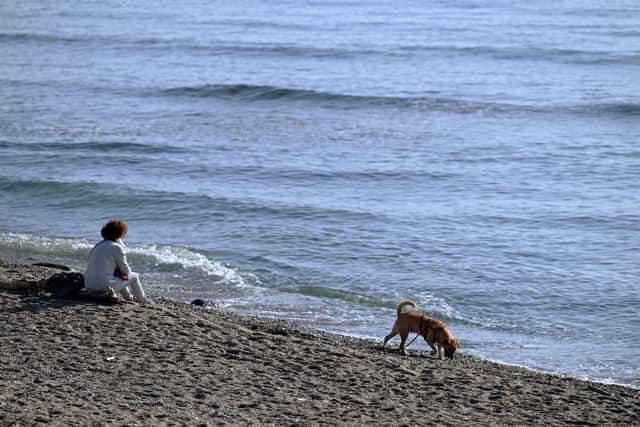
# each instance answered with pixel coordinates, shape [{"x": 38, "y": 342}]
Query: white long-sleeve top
[{"x": 103, "y": 260}]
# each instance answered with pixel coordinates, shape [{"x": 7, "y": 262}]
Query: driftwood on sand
[{"x": 67, "y": 362}]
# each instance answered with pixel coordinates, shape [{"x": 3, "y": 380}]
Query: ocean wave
[
  {"x": 62, "y": 194},
  {"x": 37, "y": 37},
  {"x": 254, "y": 92},
  {"x": 250, "y": 93},
  {"x": 427, "y": 303},
  {"x": 87, "y": 194},
  {"x": 503, "y": 53},
  {"x": 191, "y": 45},
  {"x": 324, "y": 292},
  {"x": 245, "y": 92},
  {"x": 94, "y": 146},
  {"x": 281, "y": 50},
  {"x": 323, "y": 175},
  {"x": 185, "y": 258},
  {"x": 44, "y": 245},
  {"x": 296, "y": 50},
  {"x": 515, "y": 53},
  {"x": 527, "y": 53},
  {"x": 612, "y": 108},
  {"x": 44, "y": 187}
]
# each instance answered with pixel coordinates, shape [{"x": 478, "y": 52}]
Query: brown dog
[{"x": 434, "y": 332}]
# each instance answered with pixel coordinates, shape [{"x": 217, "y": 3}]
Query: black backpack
[{"x": 66, "y": 285}]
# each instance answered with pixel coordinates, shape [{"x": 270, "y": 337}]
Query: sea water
[{"x": 321, "y": 161}]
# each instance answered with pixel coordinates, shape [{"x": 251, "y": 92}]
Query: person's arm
[{"x": 122, "y": 266}]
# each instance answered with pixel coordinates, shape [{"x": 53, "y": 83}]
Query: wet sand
[{"x": 94, "y": 363}]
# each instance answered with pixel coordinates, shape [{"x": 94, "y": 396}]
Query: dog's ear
[{"x": 446, "y": 341}]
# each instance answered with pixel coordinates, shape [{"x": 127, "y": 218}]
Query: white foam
[
  {"x": 188, "y": 259},
  {"x": 161, "y": 254},
  {"x": 429, "y": 302},
  {"x": 43, "y": 244}
]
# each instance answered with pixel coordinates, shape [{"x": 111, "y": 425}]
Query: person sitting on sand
[{"x": 108, "y": 268}]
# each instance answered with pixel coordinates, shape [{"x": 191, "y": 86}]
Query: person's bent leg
[
  {"x": 126, "y": 293},
  {"x": 118, "y": 286},
  {"x": 136, "y": 287}
]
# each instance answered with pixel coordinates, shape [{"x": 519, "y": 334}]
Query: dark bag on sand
[{"x": 66, "y": 285}]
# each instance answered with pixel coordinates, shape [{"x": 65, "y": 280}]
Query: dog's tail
[{"x": 406, "y": 302}]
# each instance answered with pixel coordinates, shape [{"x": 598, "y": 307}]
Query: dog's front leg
[
  {"x": 433, "y": 350},
  {"x": 433, "y": 347}
]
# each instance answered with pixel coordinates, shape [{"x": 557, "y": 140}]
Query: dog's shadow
[
  {"x": 417, "y": 354},
  {"x": 396, "y": 350}
]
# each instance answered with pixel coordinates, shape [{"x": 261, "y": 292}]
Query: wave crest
[
  {"x": 251, "y": 93},
  {"x": 162, "y": 257},
  {"x": 46, "y": 38},
  {"x": 95, "y": 146}
]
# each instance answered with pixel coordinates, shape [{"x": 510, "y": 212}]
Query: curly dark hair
[{"x": 114, "y": 230}]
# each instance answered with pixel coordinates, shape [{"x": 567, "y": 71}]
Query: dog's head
[{"x": 450, "y": 346}]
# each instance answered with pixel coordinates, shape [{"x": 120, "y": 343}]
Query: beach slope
[{"x": 89, "y": 363}]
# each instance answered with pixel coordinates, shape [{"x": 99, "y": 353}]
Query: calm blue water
[{"x": 321, "y": 161}]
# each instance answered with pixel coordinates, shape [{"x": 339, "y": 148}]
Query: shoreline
[{"x": 87, "y": 363}]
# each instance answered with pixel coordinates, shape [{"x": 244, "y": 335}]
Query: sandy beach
[{"x": 69, "y": 362}]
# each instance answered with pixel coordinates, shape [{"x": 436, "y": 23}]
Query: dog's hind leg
[{"x": 392, "y": 334}]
